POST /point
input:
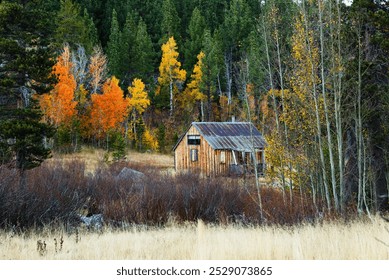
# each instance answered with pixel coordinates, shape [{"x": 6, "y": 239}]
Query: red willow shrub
[{"x": 57, "y": 193}]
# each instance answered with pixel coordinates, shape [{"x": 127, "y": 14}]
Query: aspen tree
[
  {"x": 108, "y": 110},
  {"x": 304, "y": 84},
  {"x": 244, "y": 81},
  {"x": 138, "y": 101},
  {"x": 193, "y": 92},
  {"x": 59, "y": 106},
  {"x": 170, "y": 72},
  {"x": 97, "y": 69},
  {"x": 326, "y": 110},
  {"x": 337, "y": 69}
]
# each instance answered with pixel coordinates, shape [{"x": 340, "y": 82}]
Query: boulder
[{"x": 128, "y": 173}]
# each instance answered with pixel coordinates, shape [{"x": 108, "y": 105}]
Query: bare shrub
[{"x": 57, "y": 192}]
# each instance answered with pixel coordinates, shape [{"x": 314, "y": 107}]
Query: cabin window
[
  {"x": 222, "y": 157},
  {"x": 194, "y": 154},
  {"x": 193, "y": 139}
]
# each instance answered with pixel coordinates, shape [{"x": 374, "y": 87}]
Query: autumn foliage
[
  {"x": 109, "y": 109},
  {"x": 170, "y": 72},
  {"x": 59, "y": 106},
  {"x": 138, "y": 99}
]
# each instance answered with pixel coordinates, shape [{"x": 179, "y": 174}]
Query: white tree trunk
[{"x": 326, "y": 112}]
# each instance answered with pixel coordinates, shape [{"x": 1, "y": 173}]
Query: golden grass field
[{"x": 330, "y": 241}]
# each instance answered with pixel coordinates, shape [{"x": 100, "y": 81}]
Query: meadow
[
  {"x": 169, "y": 216},
  {"x": 195, "y": 241}
]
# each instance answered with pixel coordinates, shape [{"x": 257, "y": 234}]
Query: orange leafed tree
[
  {"x": 59, "y": 106},
  {"x": 109, "y": 109}
]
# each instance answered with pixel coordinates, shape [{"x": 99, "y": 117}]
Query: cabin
[{"x": 221, "y": 149}]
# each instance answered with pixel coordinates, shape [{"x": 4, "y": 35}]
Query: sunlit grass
[
  {"x": 94, "y": 158},
  {"x": 329, "y": 241}
]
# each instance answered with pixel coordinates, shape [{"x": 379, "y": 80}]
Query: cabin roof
[{"x": 238, "y": 136}]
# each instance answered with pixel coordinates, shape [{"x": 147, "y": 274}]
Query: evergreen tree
[
  {"x": 144, "y": 57},
  {"x": 213, "y": 12},
  {"x": 212, "y": 65},
  {"x": 91, "y": 33},
  {"x": 114, "y": 51},
  {"x": 195, "y": 31},
  {"x": 73, "y": 27},
  {"x": 170, "y": 25},
  {"x": 26, "y": 64},
  {"x": 127, "y": 51}
]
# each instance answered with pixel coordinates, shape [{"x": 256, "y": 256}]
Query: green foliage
[
  {"x": 22, "y": 136},
  {"x": 170, "y": 25},
  {"x": 63, "y": 140},
  {"x": 140, "y": 130},
  {"x": 194, "y": 43},
  {"x": 238, "y": 23},
  {"x": 114, "y": 48},
  {"x": 74, "y": 27},
  {"x": 117, "y": 146},
  {"x": 126, "y": 48},
  {"x": 26, "y": 65},
  {"x": 144, "y": 54},
  {"x": 161, "y": 134}
]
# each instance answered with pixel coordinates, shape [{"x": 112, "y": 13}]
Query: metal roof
[{"x": 238, "y": 136}]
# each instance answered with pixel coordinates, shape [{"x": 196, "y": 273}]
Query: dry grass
[
  {"x": 94, "y": 158},
  {"x": 330, "y": 241}
]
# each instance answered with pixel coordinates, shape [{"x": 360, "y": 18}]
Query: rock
[
  {"x": 93, "y": 222},
  {"x": 128, "y": 173}
]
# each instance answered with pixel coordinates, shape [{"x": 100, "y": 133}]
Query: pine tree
[
  {"x": 144, "y": 57},
  {"x": 212, "y": 65},
  {"x": 114, "y": 50},
  {"x": 25, "y": 54},
  {"x": 74, "y": 27},
  {"x": 91, "y": 35},
  {"x": 127, "y": 48},
  {"x": 170, "y": 25},
  {"x": 195, "y": 31}
]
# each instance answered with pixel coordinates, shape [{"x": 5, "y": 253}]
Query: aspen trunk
[
  {"x": 326, "y": 113},
  {"x": 317, "y": 115}
]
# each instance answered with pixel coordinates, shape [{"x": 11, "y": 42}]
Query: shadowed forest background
[{"x": 312, "y": 75}]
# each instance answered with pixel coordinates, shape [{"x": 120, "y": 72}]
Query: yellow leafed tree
[
  {"x": 170, "y": 72},
  {"x": 299, "y": 108},
  {"x": 138, "y": 101},
  {"x": 193, "y": 92}
]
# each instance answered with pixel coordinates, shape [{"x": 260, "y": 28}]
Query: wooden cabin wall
[{"x": 208, "y": 159}]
